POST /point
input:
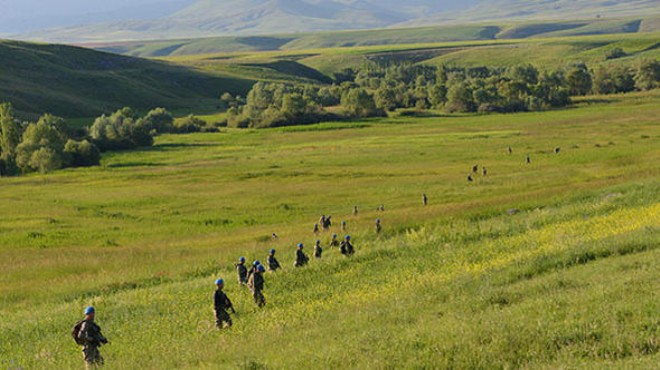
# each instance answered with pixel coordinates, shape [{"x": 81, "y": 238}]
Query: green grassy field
[
  {"x": 76, "y": 82},
  {"x": 570, "y": 281}
]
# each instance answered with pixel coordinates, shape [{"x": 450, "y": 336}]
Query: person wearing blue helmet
[
  {"x": 346, "y": 247},
  {"x": 318, "y": 250},
  {"x": 88, "y": 334},
  {"x": 222, "y": 304},
  {"x": 273, "y": 263},
  {"x": 334, "y": 242},
  {"x": 256, "y": 285},
  {"x": 301, "y": 257},
  {"x": 242, "y": 271},
  {"x": 378, "y": 226}
]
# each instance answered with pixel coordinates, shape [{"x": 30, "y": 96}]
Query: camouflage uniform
[
  {"x": 221, "y": 305},
  {"x": 242, "y": 272},
  {"x": 91, "y": 337},
  {"x": 256, "y": 284},
  {"x": 334, "y": 242}
]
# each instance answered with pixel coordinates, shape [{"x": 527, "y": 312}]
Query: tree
[
  {"x": 10, "y": 137},
  {"x": 385, "y": 98},
  {"x": 42, "y": 147},
  {"x": 459, "y": 98},
  {"x": 579, "y": 80},
  {"x": 82, "y": 153},
  {"x": 121, "y": 130},
  {"x": 158, "y": 120},
  {"x": 615, "y": 53},
  {"x": 603, "y": 82},
  {"x": 359, "y": 103},
  {"x": 648, "y": 75}
]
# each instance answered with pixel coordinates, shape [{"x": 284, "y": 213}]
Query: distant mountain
[{"x": 205, "y": 18}]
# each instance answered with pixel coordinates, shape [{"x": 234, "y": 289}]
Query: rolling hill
[
  {"x": 206, "y": 18},
  {"x": 76, "y": 82},
  {"x": 333, "y": 39}
]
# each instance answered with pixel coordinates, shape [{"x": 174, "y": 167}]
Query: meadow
[{"x": 552, "y": 264}]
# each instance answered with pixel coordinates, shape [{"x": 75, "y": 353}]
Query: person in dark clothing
[
  {"x": 221, "y": 305},
  {"x": 327, "y": 223},
  {"x": 318, "y": 250},
  {"x": 334, "y": 242},
  {"x": 316, "y": 229},
  {"x": 425, "y": 199},
  {"x": 241, "y": 271},
  {"x": 273, "y": 263},
  {"x": 301, "y": 257},
  {"x": 475, "y": 168},
  {"x": 355, "y": 210},
  {"x": 343, "y": 226},
  {"x": 346, "y": 247},
  {"x": 253, "y": 269},
  {"x": 91, "y": 339},
  {"x": 528, "y": 159},
  {"x": 378, "y": 226},
  {"x": 256, "y": 285},
  {"x": 484, "y": 171}
]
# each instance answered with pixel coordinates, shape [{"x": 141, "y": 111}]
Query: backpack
[{"x": 76, "y": 331}]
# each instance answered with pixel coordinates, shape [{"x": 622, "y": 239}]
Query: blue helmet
[
  {"x": 89, "y": 310},
  {"x": 300, "y": 245},
  {"x": 334, "y": 236},
  {"x": 272, "y": 251},
  {"x": 261, "y": 268},
  {"x": 378, "y": 220},
  {"x": 348, "y": 237},
  {"x": 256, "y": 263},
  {"x": 219, "y": 281},
  {"x": 241, "y": 259}
]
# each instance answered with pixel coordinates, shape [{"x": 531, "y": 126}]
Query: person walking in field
[
  {"x": 253, "y": 269},
  {"x": 484, "y": 171},
  {"x": 256, "y": 285},
  {"x": 222, "y": 304},
  {"x": 334, "y": 242},
  {"x": 273, "y": 263},
  {"x": 475, "y": 168},
  {"x": 346, "y": 247},
  {"x": 327, "y": 223},
  {"x": 301, "y": 257},
  {"x": 425, "y": 199},
  {"x": 355, "y": 210},
  {"x": 318, "y": 250},
  {"x": 510, "y": 150},
  {"x": 316, "y": 229},
  {"x": 322, "y": 221},
  {"x": 528, "y": 159},
  {"x": 378, "y": 226},
  {"x": 88, "y": 334},
  {"x": 343, "y": 226},
  {"x": 241, "y": 271}
]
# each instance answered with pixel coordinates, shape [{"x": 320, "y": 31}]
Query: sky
[{"x": 25, "y": 15}]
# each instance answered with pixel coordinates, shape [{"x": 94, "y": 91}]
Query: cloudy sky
[{"x": 25, "y": 15}]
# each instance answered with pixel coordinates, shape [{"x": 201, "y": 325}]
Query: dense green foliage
[
  {"x": 566, "y": 279},
  {"x": 375, "y": 89},
  {"x": 43, "y": 146}
]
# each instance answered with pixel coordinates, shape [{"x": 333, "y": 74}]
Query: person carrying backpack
[
  {"x": 273, "y": 263},
  {"x": 222, "y": 304},
  {"x": 301, "y": 257},
  {"x": 88, "y": 334},
  {"x": 346, "y": 247},
  {"x": 242, "y": 271},
  {"x": 256, "y": 285}
]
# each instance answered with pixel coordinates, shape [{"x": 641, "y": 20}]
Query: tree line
[
  {"x": 49, "y": 144},
  {"x": 373, "y": 90}
]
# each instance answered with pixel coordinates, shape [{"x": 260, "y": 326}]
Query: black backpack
[{"x": 76, "y": 331}]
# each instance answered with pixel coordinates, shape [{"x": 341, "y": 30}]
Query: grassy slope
[
  {"x": 435, "y": 34},
  {"x": 548, "y": 53},
  {"x": 77, "y": 82},
  {"x": 571, "y": 281}
]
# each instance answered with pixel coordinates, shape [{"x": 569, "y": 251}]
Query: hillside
[
  {"x": 469, "y": 32},
  {"x": 207, "y": 18},
  {"x": 74, "y": 82},
  {"x": 548, "y": 265}
]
